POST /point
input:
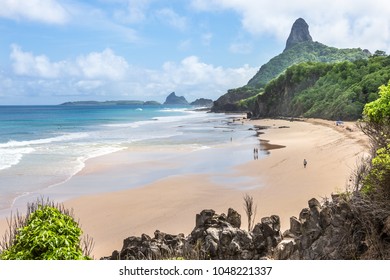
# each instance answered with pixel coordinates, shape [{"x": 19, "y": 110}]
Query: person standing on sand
[
  {"x": 255, "y": 153},
  {"x": 304, "y": 163}
]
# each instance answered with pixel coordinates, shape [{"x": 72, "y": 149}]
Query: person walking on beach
[{"x": 304, "y": 163}]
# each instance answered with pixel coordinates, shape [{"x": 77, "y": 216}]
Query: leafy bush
[
  {"x": 378, "y": 111},
  {"x": 378, "y": 178},
  {"x": 377, "y": 118},
  {"x": 47, "y": 234}
]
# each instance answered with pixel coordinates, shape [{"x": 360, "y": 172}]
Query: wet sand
[{"x": 279, "y": 183}]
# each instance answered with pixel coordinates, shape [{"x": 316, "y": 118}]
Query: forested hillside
[
  {"x": 303, "y": 50},
  {"x": 331, "y": 91}
]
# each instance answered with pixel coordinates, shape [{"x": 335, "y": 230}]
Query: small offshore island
[
  {"x": 313, "y": 180},
  {"x": 110, "y": 103},
  {"x": 171, "y": 99}
]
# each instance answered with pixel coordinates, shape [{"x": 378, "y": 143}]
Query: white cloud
[
  {"x": 347, "y": 23},
  {"x": 25, "y": 63},
  {"x": 170, "y": 17},
  {"x": 104, "y": 65},
  {"x": 95, "y": 65},
  {"x": 47, "y": 11},
  {"x": 106, "y": 74},
  {"x": 201, "y": 79}
]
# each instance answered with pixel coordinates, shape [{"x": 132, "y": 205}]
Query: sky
[{"x": 53, "y": 51}]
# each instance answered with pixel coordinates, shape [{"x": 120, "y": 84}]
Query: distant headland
[
  {"x": 110, "y": 103},
  {"x": 171, "y": 99}
]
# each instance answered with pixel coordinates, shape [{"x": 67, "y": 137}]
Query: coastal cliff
[
  {"x": 322, "y": 90},
  {"x": 299, "y": 48}
]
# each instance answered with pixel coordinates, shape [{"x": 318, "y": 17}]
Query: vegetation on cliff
[
  {"x": 299, "y": 48},
  {"x": 303, "y": 52},
  {"x": 330, "y": 91},
  {"x": 370, "y": 194},
  {"x": 377, "y": 126}
]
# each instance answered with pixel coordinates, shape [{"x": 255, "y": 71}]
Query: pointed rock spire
[
  {"x": 172, "y": 99},
  {"x": 299, "y": 33}
]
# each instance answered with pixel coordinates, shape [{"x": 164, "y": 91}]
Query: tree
[
  {"x": 378, "y": 178},
  {"x": 379, "y": 53},
  {"x": 376, "y": 116},
  {"x": 377, "y": 127}
]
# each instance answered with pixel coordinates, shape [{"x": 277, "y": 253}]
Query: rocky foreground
[{"x": 334, "y": 230}]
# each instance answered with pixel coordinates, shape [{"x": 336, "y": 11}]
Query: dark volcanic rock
[
  {"x": 214, "y": 237},
  {"x": 234, "y": 218},
  {"x": 336, "y": 230},
  {"x": 202, "y": 102},
  {"x": 172, "y": 99},
  {"x": 299, "y": 34},
  {"x": 161, "y": 246},
  {"x": 219, "y": 236}
]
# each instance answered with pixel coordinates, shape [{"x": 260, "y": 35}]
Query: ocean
[{"x": 45, "y": 146}]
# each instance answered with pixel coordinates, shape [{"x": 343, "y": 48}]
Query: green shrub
[
  {"x": 378, "y": 178},
  {"x": 47, "y": 234}
]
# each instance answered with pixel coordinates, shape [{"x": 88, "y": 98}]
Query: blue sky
[{"x": 52, "y": 51}]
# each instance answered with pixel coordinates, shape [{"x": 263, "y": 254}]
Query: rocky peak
[
  {"x": 299, "y": 33},
  {"x": 172, "y": 99}
]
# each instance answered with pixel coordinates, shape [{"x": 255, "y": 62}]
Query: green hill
[
  {"x": 299, "y": 48},
  {"x": 323, "y": 90},
  {"x": 303, "y": 52}
]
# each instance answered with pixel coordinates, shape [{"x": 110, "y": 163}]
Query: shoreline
[{"x": 278, "y": 182}]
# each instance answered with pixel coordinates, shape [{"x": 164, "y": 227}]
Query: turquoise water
[{"x": 43, "y": 146}]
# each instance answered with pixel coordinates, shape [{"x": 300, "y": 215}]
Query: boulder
[
  {"x": 295, "y": 226},
  {"x": 234, "y": 218}
]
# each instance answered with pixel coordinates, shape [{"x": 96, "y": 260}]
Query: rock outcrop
[
  {"x": 217, "y": 237},
  {"x": 299, "y": 48},
  {"x": 202, "y": 102},
  {"x": 172, "y": 99},
  {"x": 299, "y": 34},
  {"x": 335, "y": 230}
]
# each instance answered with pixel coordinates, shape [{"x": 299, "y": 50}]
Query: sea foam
[{"x": 11, "y": 157}]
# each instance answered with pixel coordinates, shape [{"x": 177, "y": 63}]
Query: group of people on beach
[{"x": 255, "y": 153}]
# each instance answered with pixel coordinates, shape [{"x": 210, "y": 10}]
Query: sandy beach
[{"x": 279, "y": 183}]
